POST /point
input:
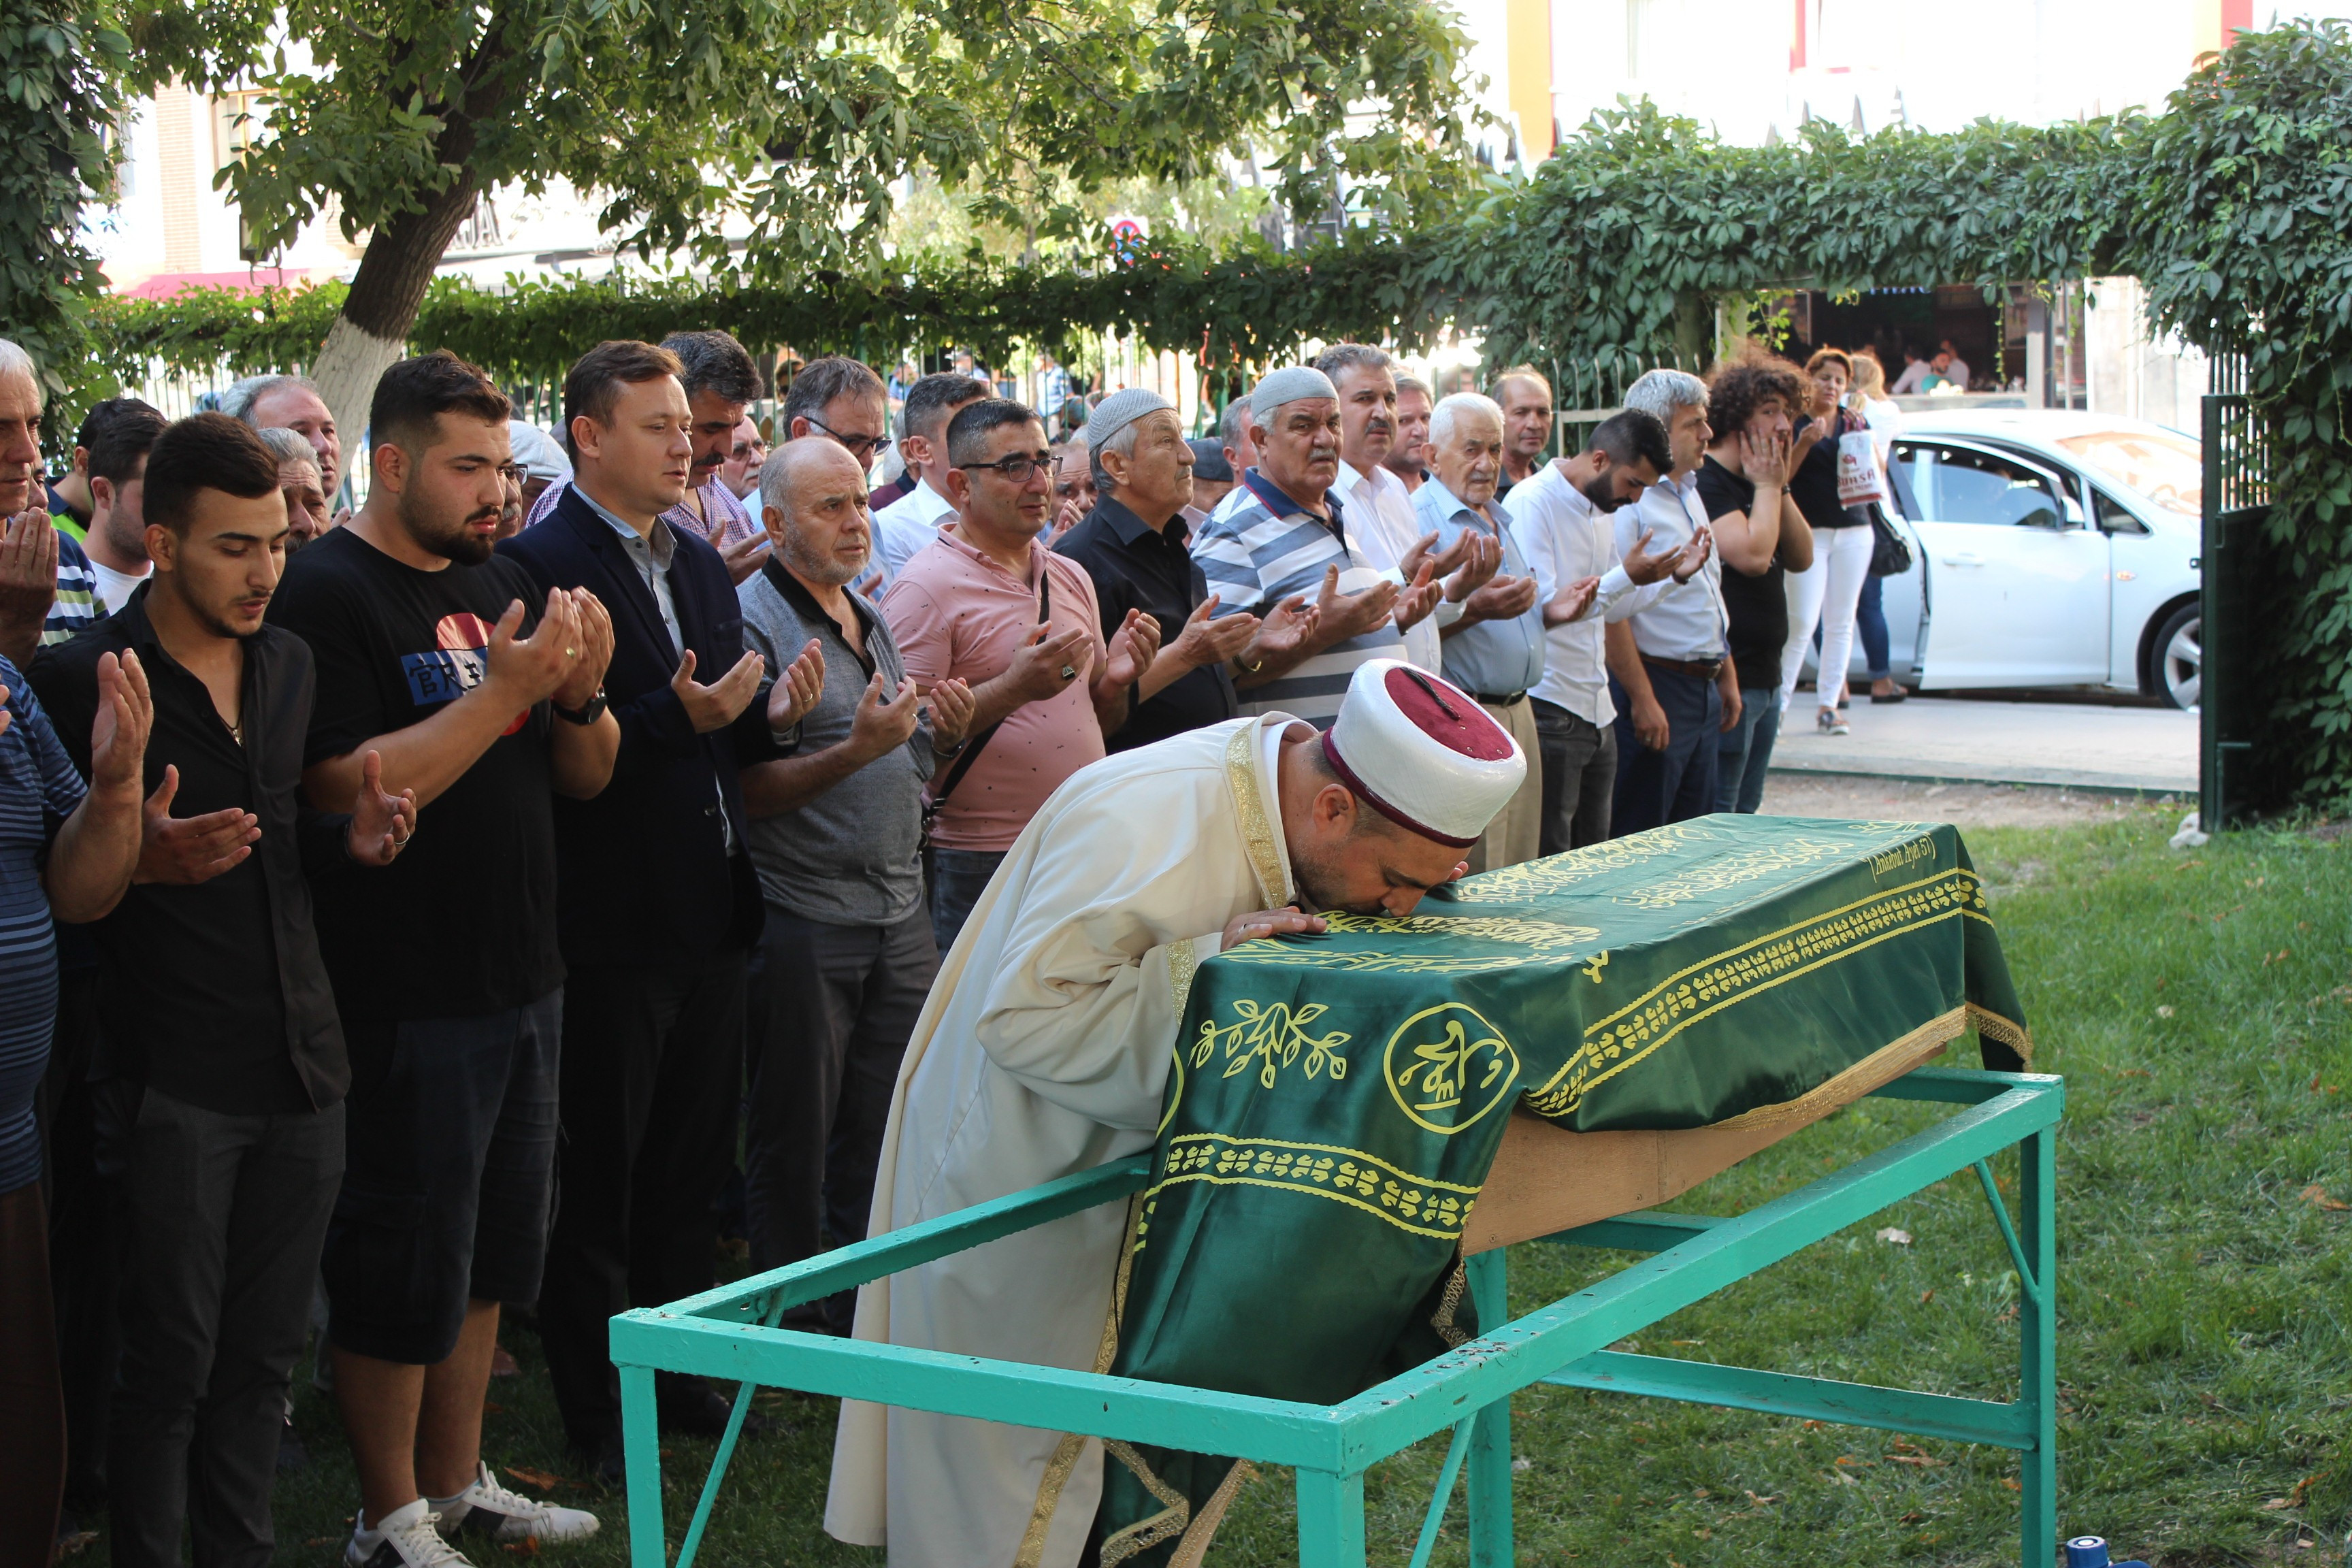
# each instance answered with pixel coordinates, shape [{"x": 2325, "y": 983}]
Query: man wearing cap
[
  {"x": 1213, "y": 479},
  {"x": 1285, "y": 549},
  {"x": 1045, "y": 1046},
  {"x": 1137, "y": 548}
]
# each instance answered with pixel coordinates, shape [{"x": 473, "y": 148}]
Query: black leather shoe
[{"x": 606, "y": 1463}]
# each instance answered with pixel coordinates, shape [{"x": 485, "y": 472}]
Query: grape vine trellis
[{"x": 2233, "y": 207}]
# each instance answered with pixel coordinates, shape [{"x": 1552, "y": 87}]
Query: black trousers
[
  {"x": 831, "y": 1009},
  {"x": 1579, "y": 777},
  {"x": 225, "y": 1218},
  {"x": 652, "y": 1058},
  {"x": 1674, "y": 785},
  {"x": 85, "y": 1114}
]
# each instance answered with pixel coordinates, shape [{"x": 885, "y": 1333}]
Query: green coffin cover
[{"x": 1336, "y": 1101}]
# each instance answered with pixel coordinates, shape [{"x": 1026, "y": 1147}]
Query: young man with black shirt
[
  {"x": 660, "y": 905},
  {"x": 1743, "y": 488},
  {"x": 214, "y": 996},
  {"x": 445, "y": 967}
]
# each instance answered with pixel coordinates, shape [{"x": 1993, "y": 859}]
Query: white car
[{"x": 2049, "y": 548}]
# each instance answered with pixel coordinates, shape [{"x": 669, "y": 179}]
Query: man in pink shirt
[{"x": 986, "y": 602}]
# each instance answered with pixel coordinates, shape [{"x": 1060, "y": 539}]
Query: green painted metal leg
[
  {"x": 2038, "y": 1340},
  {"x": 1330, "y": 1519},
  {"x": 1490, "y": 1433},
  {"x": 641, "y": 1446}
]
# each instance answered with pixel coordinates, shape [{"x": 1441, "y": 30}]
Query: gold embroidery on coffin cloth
[
  {"x": 1536, "y": 878},
  {"x": 1534, "y": 939}
]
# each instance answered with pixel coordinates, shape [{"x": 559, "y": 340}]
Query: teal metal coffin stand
[{"x": 731, "y": 1334}]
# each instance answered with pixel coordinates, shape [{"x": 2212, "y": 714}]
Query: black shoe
[
  {"x": 688, "y": 1415},
  {"x": 606, "y": 1461},
  {"x": 292, "y": 1457}
]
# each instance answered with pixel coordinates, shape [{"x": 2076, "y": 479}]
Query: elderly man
[
  {"x": 299, "y": 486},
  {"x": 68, "y": 848},
  {"x": 1526, "y": 399},
  {"x": 1213, "y": 479},
  {"x": 988, "y": 604},
  {"x": 1283, "y": 553},
  {"x": 1074, "y": 493},
  {"x": 290, "y": 402},
  {"x": 1407, "y": 456},
  {"x": 719, "y": 380},
  {"x": 1136, "y": 549},
  {"x": 1560, "y": 519},
  {"x": 740, "y": 472},
  {"x": 912, "y": 521},
  {"x": 659, "y": 907},
  {"x": 1241, "y": 452},
  {"x": 1045, "y": 1051},
  {"x": 841, "y": 399},
  {"x": 1682, "y": 624},
  {"x": 541, "y": 458},
  {"x": 1494, "y": 649},
  {"x": 846, "y": 958},
  {"x": 1381, "y": 509}
]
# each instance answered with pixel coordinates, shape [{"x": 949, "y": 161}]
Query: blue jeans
[
  {"x": 1675, "y": 785},
  {"x": 1744, "y": 750},
  {"x": 958, "y": 878},
  {"x": 448, "y": 1177}
]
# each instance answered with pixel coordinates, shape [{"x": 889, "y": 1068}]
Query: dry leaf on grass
[
  {"x": 2317, "y": 1195},
  {"x": 1898, "y": 1236},
  {"x": 538, "y": 1479}
]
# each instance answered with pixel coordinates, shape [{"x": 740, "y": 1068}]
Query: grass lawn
[{"x": 2197, "y": 1004}]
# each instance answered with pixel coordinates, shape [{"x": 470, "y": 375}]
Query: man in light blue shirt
[{"x": 1496, "y": 650}]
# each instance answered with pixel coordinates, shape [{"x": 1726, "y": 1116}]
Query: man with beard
[
  {"x": 446, "y": 966},
  {"x": 1561, "y": 518},
  {"x": 847, "y": 956},
  {"x": 217, "y": 1000},
  {"x": 1380, "y": 506},
  {"x": 117, "y": 543},
  {"x": 1046, "y": 1044}
]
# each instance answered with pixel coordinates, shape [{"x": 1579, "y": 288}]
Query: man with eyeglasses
[
  {"x": 910, "y": 522},
  {"x": 987, "y": 603}
]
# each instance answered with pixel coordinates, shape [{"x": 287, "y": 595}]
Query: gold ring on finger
[{"x": 1069, "y": 672}]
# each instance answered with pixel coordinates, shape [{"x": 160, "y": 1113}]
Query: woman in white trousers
[{"x": 1825, "y": 594}]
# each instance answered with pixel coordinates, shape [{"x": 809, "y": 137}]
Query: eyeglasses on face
[
  {"x": 513, "y": 474},
  {"x": 861, "y": 448},
  {"x": 1017, "y": 468}
]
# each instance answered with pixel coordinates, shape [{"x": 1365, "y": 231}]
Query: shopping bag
[{"x": 1859, "y": 478}]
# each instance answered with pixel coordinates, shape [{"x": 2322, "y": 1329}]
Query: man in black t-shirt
[
  {"x": 1742, "y": 485},
  {"x": 445, "y": 966}
]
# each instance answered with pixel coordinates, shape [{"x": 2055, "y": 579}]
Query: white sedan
[{"x": 2049, "y": 548}]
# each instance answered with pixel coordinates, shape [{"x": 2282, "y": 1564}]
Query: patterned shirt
[
  {"x": 1266, "y": 549},
  {"x": 38, "y": 789},
  {"x": 77, "y": 602}
]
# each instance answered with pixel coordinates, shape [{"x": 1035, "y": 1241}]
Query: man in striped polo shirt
[{"x": 1283, "y": 555}]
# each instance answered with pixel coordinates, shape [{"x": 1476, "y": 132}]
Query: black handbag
[{"x": 1890, "y": 553}]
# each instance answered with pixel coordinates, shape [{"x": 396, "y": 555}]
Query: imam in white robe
[{"x": 1041, "y": 1052}]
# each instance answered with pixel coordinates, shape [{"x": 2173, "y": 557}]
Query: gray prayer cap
[
  {"x": 540, "y": 455},
  {"x": 1287, "y": 384},
  {"x": 1120, "y": 410}
]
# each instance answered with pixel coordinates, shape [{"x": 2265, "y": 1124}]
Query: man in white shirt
[
  {"x": 1560, "y": 519},
  {"x": 1241, "y": 453},
  {"x": 1913, "y": 379},
  {"x": 1380, "y": 508},
  {"x": 913, "y": 521},
  {"x": 1408, "y": 456},
  {"x": 1954, "y": 369}
]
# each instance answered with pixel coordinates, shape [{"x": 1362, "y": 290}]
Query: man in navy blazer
[{"x": 657, "y": 905}]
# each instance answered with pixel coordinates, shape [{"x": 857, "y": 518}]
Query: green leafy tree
[
  {"x": 801, "y": 118},
  {"x": 61, "y": 96}
]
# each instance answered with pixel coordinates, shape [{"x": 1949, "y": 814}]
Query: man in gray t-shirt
[{"x": 846, "y": 958}]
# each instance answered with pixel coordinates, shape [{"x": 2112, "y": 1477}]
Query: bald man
[{"x": 847, "y": 956}]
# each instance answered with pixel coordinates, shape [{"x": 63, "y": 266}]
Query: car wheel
[{"x": 2176, "y": 659}]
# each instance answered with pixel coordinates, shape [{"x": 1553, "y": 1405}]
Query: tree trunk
[{"x": 386, "y": 293}]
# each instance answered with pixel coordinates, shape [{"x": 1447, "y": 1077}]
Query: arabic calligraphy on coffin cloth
[{"x": 1336, "y": 1101}]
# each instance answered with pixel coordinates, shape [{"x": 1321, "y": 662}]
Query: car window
[
  {"x": 2113, "y": 515},
  {"x": 2169, "y": 470},
  {"x": 1956, "y": 484}
]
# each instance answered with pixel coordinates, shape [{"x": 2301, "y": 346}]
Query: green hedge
[{"x": 2233, "y": 207}]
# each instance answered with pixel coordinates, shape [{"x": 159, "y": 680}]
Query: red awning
[{"x": 250, "y": 280}]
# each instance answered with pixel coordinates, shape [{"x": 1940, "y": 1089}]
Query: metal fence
[{"x": 2235, "y": 588}]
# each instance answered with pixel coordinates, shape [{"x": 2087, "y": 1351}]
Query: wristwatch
[{"x": 587, "y": 713}]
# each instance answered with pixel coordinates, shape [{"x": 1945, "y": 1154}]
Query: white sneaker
[
  {"x": 404, "y": 1538},
  {"x": 488, "y": 1509}
]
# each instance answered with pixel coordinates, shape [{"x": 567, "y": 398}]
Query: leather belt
[
  {"x": 1491, "y": 700},
  {"x": 1703, "y": 669}
]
